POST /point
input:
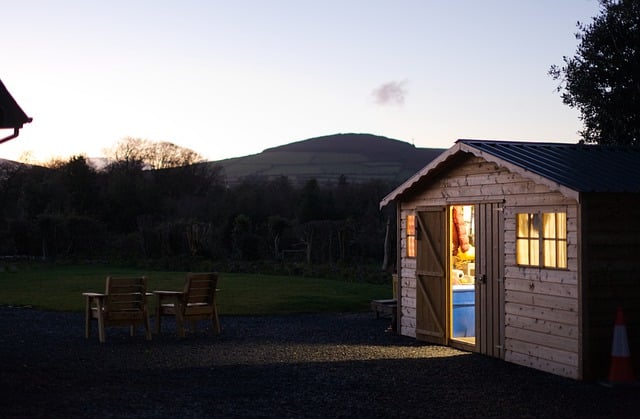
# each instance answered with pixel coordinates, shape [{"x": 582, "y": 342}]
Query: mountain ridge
[{"x": 356, "y": 156}]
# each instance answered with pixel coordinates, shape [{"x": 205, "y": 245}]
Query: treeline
[{"x": 187, "y": 218}]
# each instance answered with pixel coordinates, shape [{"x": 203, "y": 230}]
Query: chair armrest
[
  {"x": 168, "y": 293},
  {"x": 93, "y": 294}
]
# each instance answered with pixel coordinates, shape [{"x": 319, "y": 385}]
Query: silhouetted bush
[{"x": 188, "y": 219}]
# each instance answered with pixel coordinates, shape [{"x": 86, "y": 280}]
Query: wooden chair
[
  {"x": 124, "y": 303},
  {"x": 195, "y": 302}
]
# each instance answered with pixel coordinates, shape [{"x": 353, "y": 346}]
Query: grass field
[{"x": 60, "y": 288}]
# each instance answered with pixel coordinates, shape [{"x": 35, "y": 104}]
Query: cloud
[{"x": 390, "y": 93}]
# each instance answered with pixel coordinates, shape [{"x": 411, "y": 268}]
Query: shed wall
[
  {"x": 612, "y": 277},
  {"x": 542, "y": 324}
]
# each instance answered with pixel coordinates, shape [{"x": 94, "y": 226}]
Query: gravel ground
[{"x": 324, "y": 366}]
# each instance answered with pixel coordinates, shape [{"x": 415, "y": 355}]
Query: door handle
[{"x": 482, "y": 279}]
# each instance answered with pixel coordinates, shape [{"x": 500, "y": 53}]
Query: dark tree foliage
[
  {"x": 78, "y": 181},
  {"x": 603, "y": 79},
  {"x": 311, "y": 203},
  {"x": 128, "y": 192},
  {"x": 181, "y": 217}
]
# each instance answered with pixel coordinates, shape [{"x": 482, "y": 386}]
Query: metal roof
[
  {"x": 571, "y": 168},
  {"x": 581, "y": 167}
]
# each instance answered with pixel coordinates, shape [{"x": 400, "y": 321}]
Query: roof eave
[
  {"x": 407, "y": 185},
  {"x": 564, "y": 190},
  {"x": 462, "y": 147}
]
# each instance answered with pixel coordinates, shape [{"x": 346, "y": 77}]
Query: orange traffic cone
[{"x": 621, "y": 371}]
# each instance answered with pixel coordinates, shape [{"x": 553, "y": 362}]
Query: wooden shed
[{"x": 522, "y": 251}]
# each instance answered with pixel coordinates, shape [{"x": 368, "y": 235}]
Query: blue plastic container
[{"x": 464, "y": 311}]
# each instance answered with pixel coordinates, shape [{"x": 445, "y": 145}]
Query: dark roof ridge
[{"x": 527, "y": 143}]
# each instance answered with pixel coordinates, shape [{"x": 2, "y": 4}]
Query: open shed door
[
  {"x": 431, "y": 280},
  {"x": 489, "y": 280}
]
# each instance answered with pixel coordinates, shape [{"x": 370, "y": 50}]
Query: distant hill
[
  {"x": 6, "y": 165},
  {"x": 358, "y": 157}
]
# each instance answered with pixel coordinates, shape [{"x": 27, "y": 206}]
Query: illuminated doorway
[{"x": 462, "y": 246}]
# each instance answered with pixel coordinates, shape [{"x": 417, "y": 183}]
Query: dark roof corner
[{"x": 11, "y": 115}]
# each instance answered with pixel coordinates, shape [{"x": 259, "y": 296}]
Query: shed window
[
  {"x": 541, "y": 239},
  {"x": 411, "y": 236}
]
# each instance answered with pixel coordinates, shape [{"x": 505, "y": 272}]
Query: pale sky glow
[{"x": 231, "y": 78}]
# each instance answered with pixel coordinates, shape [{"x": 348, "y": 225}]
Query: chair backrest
[
  {"x": 126, "y": 298},
  {"x": 199, "y": 293}
]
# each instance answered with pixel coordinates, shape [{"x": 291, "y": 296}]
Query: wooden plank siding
[
  {"x": 407, "y": 278},
  {"x": 611, "y": 275},
  {"x": 542, "y": 321}
]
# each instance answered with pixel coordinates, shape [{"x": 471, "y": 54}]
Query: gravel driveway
[{"x": 326, "y": 366}]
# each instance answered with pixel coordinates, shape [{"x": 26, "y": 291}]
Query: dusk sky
[{"x": 231, "y": 78}]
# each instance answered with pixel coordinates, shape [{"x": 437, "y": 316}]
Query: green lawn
[{"x": 60, "y": 288}]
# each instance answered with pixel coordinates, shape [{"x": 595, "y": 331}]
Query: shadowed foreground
[{"x": 342, "y": 365}]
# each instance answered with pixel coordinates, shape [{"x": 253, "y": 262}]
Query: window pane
[
  {"x": 535, "y": 225},
  {"x": 411, "y": 246},
  {"x": 550, "y": 253},
  {"x": 549, "y": 225},
  {"x": 412, "y": 249},
  {"x": 561, "y": 218},
  {"x": 523, "y": 225},
  {"x": 522, "y": 252},
  {"x": 411, "y": 225},
  {"x": 534, "y": 254}
]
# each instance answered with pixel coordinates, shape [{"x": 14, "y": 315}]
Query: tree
[
  {"x": 277, "y": 225},
  {"x": 603, "y": 79},
  {"x": 154, "y": 155},
  {"x": 79, "y": 182},
  {"x": 165, "y": 155},
  {"x": 127, "y": 194},
  {"x": 310, "y": 205},
  {"x": 128, "y": 149}
]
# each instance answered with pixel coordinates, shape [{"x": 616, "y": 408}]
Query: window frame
[
  {"x": 539, "y": 241},
  {"x": 411, "y": 249}
]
